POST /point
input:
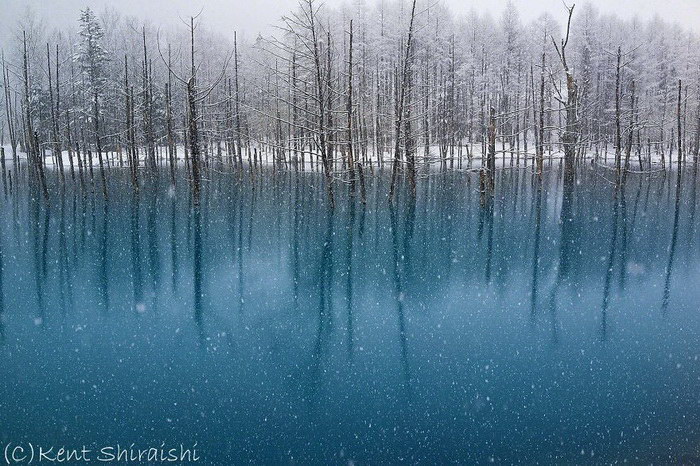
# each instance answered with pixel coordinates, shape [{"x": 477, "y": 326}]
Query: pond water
[{"x": 550, "y": 325}]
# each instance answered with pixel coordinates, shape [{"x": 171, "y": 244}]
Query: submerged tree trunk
[
  {"x": 351, "y": 161},
  {"x": 56, "y": 143},
  {"x": 540, "y": 139},
  {"x": 570, "y": 133},
  {"x": 618, "y": 135},
  {"x": 192, "y": 123},
  {"x": 31, "y": 137},
  {"x": 400, "y": 105},
  {"x": 629, "y": 136}
]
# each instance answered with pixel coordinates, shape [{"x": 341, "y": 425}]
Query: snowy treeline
[{"x": 347, "y": 87}]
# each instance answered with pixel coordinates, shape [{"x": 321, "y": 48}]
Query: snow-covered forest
[
  {"x": 401, "y": 84},
  {"x": 374, "y": 232}
]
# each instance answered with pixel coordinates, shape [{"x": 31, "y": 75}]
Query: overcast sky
[{"x": 253, "y": 16}]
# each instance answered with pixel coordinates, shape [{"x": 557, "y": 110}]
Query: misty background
[{"x": 260, "y": 16}]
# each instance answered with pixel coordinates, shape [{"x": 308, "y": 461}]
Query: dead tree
[
  {"x": 31, "y": 137},
  {"x": 192, "y": 130},
  {"x": 630, "y": 136},
  {"x": 491, "y": 161},
  {"x": 169, "y": 121},
  {"x": 400, "y": 105},
  {"x": 570, "y": 135},
  {"x": 98, "y": 140},
  {"x": 540, "y": 138},
  {"x": 10, "y": 114},
  {"x": 303, "y": 28},
  {"x": 128, "y": 128},
  {"x": 238, "y": 102},
  {"x": 148, "y": 108},
  {"x": 351, "y": 161},
  {"x": 410, "y": 143},
  {"x": 194, "y": 97},
  {"x": 56, "y": 143},
  {"x": 329, "y": 102},
  {"x": 696, "y": 148},
  {"x": 618, "y": 135},
  {"x": 680, "y": 132}
]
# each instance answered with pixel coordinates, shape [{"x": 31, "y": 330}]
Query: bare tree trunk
[
  {"x": 147, "y": 109},
  {"x": 570, "y": 136},
  {"x": 540, "y": 139},
  {"x": 56, "y": 143},
  {"x": 400, "y": 104},
  {"x": 696, "y": 149},
  {"x": 31, "y": 136},
  {"x": 98, "y": 143},
  {"x": 618, "y": 136},
  {"x": 680, "y": 133},
  {"x": 172, "y": 150},
  {"x": 409, "y": 140},
  {"x": 295, "y": 131},
  {"x": 129, "y": 123},
  {"x": 629, "y": 136},
  {"x": 321, "y": 106},
  {"x": 351, "y": 161},
  {"x": 491, "y": 161},
  {"x": 9, "y": 113},
  {"x": 329, "y": 98},
  {"x": 238, "y": 100},
  {"x": 192, "y": 123}
]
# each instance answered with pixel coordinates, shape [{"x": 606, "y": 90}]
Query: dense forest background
[{"x": 338, "y": 87}]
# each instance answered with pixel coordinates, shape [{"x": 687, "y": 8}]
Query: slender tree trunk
[
  {"x": 238, "y": 100},
  {"x": 351, "y": 160},
  {"x": 172, "y": 149},
  {"x": 192, "y": 123},
  {"x": 630, "y": 135},
  {"x": 399, "y": 107},
  {"x": 491, "y": 162},
  {"x": 618, "y": 136},
  {"x": 540, "y": 139},
  {"x": 56, "y": 143},
  {"x": 680, "y": 133},
  {"x": 98, "y": 143},
  {"x": 33, "y": 149}
]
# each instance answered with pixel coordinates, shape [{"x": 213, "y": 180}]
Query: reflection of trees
[
  {"x": 136, "y": 278},
  {"x": 442, "y": 240},
  {"x": 536, "y": 252},
  {"x": 567, "y": 243},
  {"x": 153, "y": 244},
  {"x": 295, "y": 246},
  {"x": 2, "y": 290},
  {"x": 64, "y": 275},
  {"x": 350, "y": 227},
  {"x": 325, "y": 298},
  {"x": 629, "y": 232},
  {"x": 486, "y": 221},
  {"x": 104, "y": 269},
  {"x": 173, "y": 243},
  {"x": 197, "y": 270},
  {"x": 672, "y": 248},
  {"x": 39, "y": 231},
  {"x": 610, "y": 263},
  {"x": 692, "y": 229},
  {"x": 400, "y": 262}
]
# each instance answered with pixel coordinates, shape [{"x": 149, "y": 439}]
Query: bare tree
[
  {"x": 400, "y": 104},
  {"x": 571, "y": 130}
]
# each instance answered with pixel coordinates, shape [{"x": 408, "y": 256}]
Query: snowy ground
[{"x": 505, "y": 159}]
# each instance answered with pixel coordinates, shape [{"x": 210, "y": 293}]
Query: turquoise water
[{"x": 550, "y": 325}]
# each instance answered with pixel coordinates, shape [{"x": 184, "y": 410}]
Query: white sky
[{"x": 252, "y": 16}]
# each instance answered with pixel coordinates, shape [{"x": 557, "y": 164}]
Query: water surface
[{"x": 550, "y": 325}]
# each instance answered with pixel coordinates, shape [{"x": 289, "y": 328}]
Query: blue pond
[{"x": 551, "y": 325}]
